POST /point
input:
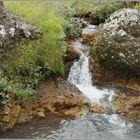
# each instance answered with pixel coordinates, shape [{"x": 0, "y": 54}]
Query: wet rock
[
  {"x": 24, "y": 116},
  {"x": 128, "y": 104},
  {"x": 40, "y": 112},
  {"x": 96, "y": 108},
  {"x": 74, "y": 112},
  {"x": 71, "y": 53},
  {"x": 118, "y": 43},
  {"x": 84, "y": 23},
  {"x": 127, "y": 101},
  {"x": 9, "y": 115},
  {"x": 89, "y": 34},
  {"x": 61, "y": 95}
]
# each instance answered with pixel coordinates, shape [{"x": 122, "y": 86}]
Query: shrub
[
  {"x": 102, "y": 11},
  {"x": 82, "y": 6},
  {"x": 68, "y": 12},
  {"x": 9, "y": 88},
  {"x": 72, "y": 28}
]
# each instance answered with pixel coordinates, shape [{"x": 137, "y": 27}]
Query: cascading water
[
  {"x": 93, "y": 126},
  {"x": 81, "y": 77}
]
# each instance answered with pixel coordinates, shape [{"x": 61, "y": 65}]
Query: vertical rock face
[{"x": 118, "y": 41}]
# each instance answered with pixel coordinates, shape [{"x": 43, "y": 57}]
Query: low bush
[
  {"x": 101, "y": 11},
  {"x": 72, "y": 28},
  {"x": 82, "y": 6}
]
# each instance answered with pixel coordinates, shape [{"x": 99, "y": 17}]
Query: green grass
[
  {"x": 43, "y": 15},
  {"x": 36, "y": 60},
  {"x": 83, "y": 6}
]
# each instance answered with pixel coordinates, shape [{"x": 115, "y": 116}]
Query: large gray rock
[{"x": 118, "y": 41}]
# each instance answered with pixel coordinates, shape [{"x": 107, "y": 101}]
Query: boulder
[
  {"x": 118, "y": 41},
  {"x": 71, "y": 53}
]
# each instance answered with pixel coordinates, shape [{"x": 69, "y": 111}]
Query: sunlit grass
[{"x": 45, "y": 17}]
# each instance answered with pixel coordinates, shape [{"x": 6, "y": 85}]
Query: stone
[
  {"x": 23, "y": 117},
  {"x": 88, "y": 34},
  {"x": 9, "y": 117},
  {"x": 40, "y": 112},
  {"x": 73, "y": 112},
  {"x": 118, "y": 41},
  {"x": 59, "y": 95},
  {"x": 128, "y": 104},
  {"x": 71, "y": 53},
  {"x": 96, "y": 108}
]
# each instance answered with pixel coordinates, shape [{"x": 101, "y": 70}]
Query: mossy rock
[{"x": 118, "y": 41}]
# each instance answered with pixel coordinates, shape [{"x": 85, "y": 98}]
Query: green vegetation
[
  {"x": 26, "y": 64},
  {"x": 43, "y": 15},
  {"x": 83, "y": 6},
  {"x": 137, "y": 6},
  {"x": 94, "y": 49},
  {"x": 101, "y": 12},
  {"x": 73, "y": 28},
  {"x": 97, "y": 11}
]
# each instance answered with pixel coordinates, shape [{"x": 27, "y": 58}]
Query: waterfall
[
  {"x": 81, "y": 77},
  {"x": 79, "y": 73}
]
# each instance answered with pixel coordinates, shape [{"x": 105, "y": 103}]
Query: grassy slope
[
  {"x": 42, "y": 14},
  {"x": 25, "y": 61}
]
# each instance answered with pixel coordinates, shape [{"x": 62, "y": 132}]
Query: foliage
[
  {"x": 42, "y": 14},
  {"x": 83, "y": 6},
  {"x": 73, "y": 28},
  {"x": 102, "y": 11},
  {"x": 137, "y": 6},
  {"x": 8, "y": 87},
  {"x": 68, "y": 12},
  {"x": 26, "y": 64}
]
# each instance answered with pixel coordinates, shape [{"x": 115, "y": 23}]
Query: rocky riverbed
[{"x": 90, "y": 90}]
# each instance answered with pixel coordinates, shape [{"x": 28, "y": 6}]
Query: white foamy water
[
  {"x": 81, "y": 77},
  {"x": 89, "y": 29},
  {"x": 95, "y": 127}
]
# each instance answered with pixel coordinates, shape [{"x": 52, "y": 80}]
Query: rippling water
[{"x": 97, "y": 127}]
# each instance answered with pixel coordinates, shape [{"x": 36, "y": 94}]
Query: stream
[{"x": 90, "y": 126}]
